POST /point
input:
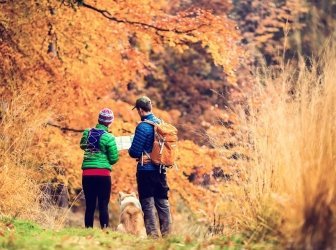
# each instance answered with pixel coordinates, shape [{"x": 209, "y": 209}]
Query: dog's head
[
  {"x": 125, "y": 199},
  {"x": 123, "y": 196}
]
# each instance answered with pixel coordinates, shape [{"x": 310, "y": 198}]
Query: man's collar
[{"x": 146, "y": 117}]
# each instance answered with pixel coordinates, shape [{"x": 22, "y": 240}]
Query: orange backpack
[{"x": 164, "y": 151}]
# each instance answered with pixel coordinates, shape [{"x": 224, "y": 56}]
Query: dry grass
[
  {"x": 290, "y": 133},
  {"x": 21, "y": 166}
]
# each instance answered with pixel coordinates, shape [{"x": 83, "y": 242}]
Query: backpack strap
[
  {"x": 93, "y": 140},
  {"x": 150, "y": 122},
  {"x": 153, "y": 123},
  {"x": 147, "y": 155}
]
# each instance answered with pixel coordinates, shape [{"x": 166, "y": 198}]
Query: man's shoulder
[
  {"x": 144, "y": 125},
  {"x": 144, "y": 128},
  {"x": 152, "y": 119}
]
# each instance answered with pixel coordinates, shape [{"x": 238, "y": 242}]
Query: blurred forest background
[{"x": 248, "y": 83}]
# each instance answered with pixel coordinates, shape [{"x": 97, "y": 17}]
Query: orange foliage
[
  {"x": 81, "y": 57},
  {"x": 83, "y": 50}
]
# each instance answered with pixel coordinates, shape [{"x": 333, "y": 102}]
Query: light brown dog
[{"x": 131, "y": 215}]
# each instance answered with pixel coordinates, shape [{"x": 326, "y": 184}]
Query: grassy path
[{"x": 17, "y": 234}]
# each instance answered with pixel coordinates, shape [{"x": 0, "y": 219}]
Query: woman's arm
[
  {"x": 83, "y": 141},
  {"x": 112, "y": 150}
]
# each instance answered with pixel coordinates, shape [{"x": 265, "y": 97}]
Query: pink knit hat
[{"x": 106, "y": 116}]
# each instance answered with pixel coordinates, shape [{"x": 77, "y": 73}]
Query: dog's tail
[{"x": 132, "y": 219}]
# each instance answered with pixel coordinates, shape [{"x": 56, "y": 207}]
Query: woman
[{"x": 100, "y": 152}]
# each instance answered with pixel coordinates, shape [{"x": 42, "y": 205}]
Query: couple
[{"x": 100, "y": 152}]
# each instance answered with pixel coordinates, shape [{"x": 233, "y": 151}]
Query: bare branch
[
  {"x": 109, "y": 16},
  {"x": 65, "y": 128}
]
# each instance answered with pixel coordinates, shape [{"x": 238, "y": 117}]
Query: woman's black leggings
[{"x": 97, "y": 187}]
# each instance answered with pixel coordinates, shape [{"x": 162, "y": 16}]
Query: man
[
  {"x": 100, "y": 152},
  {"x": 152, "y": 182}
]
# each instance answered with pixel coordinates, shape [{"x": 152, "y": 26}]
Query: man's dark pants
[{"x": 153, "y": 193}]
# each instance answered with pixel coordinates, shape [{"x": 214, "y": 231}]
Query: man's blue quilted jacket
[{"x": 143, "y": 141}]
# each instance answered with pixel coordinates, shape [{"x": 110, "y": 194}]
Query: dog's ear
[
  {"x": 133, "y": 194},
  {"x": 121, "y": 194}
]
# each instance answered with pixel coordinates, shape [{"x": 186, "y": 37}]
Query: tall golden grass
[
  {"x": 289, "y": 126},
  {"x": 22, "y": 160},
  {"x": 17, "y": 190}
]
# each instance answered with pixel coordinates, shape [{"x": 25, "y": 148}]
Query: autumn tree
[
  {"x": 73, "y": 57},
  {"x": 186, "y": 78},
  {"x": 103, "y": 49}
]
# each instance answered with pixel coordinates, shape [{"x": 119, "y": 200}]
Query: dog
[{"x": 131, "y": 215}]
